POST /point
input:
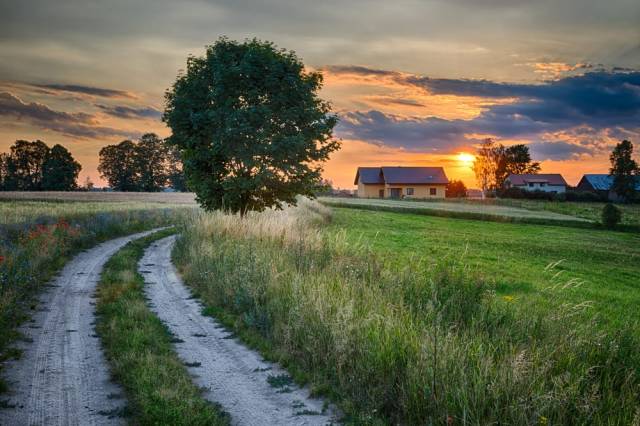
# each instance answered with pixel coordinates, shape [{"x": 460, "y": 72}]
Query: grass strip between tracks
[{"x": 140, "y": 351}]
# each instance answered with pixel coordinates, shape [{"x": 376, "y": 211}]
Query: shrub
[
  {"x": 611, "y": 216},
  {"x": 523, "y": 194},
  {"x": 584, "y": 196}
]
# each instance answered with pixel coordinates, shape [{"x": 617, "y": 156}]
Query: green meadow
[{"x": 599, "y": 266}]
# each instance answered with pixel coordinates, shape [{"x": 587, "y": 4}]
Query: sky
[{"x": 414, "y": 82}]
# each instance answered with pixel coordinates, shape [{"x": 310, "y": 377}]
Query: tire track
[
  {"x": 252, "y": 391},
  {"x": 63, "y": 377}
]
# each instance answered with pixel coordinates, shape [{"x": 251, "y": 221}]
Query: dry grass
[
  {"x": 427, "y": 344},
  {"x": 96, "y": 196}
]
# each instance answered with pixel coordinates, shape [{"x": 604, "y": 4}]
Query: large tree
[
  {"x": 119, "y": 166},
  {"x": 60, "y": 170},
  {"x": 485, "y": 165},
  {"x": 495, "y": 162},
  {"x": 251, "y": 128},
  {"x": 624, "y": 170},
  {"x": 514, "y": 159}
]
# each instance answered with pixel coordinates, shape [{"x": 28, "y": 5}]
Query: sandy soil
[
  {"x": 62, "y": 377},
  {"x": 235, "y": 377}
]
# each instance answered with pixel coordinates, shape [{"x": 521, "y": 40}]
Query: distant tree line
[
  {"x": 495, "y": 162},
  {"x": 33, "y": 166},
  {"x": 148, "y": 165}
]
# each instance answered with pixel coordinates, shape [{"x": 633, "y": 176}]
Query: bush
[
  {"x": 584, "y": 196},
  {"x": 518, "y": 193},
  {"x": 611, "y": 216}
]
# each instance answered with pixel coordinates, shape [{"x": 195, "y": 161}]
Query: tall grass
[
  {"x": 427, "y": 344},
  {"x": 31, "y": 251}
]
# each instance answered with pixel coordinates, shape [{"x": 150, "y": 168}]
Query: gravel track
[
  {"x": 235, "y": 377},
  {"x": 62, "y": 377}
]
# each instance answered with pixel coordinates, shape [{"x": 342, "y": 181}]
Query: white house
[{"x": 543, "y": 182}]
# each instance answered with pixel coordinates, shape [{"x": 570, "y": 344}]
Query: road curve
[
  {"x": 232, "y": 375},
  {"x": 63, "y": 377}
]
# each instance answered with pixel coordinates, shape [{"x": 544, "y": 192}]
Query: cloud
[
  {"x": 597, "y": 100},
  {"x": 559, "y": 150},
  {"x": 415, "y": 134},
  {"x": 126, "y": 112},
  {"x": 77, "y": 124},
  {"x": 87, "y": 90}
]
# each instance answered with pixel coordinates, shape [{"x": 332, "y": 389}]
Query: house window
[
  {"x": 409, "y": 191},
  {"x": 432, "y": 191},
  {"x": 530, "y": 185}
]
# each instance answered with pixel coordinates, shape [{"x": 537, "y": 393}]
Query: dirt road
[
  {"x": 252, "y": 391},
  {"x": 62, "y": 377}
]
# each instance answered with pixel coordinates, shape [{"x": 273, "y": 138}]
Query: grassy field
[
  {"x": 140, "y": 349},
  {"x": 501, "y": 210},
  {"x": 589, "y": 211},
  {"x": 102, "y": 196},
  {"x": 37, "y": 237},
  {"x": 603, "y": 266},
  {"x": 411, "y": 319}
]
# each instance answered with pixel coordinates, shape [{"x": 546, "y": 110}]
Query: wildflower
[
  {"x": 509, "y": 298},
  {"x": 543, "y": 420},
  {"x": 1, "y": 258}
]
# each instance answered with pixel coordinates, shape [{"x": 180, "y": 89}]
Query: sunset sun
[{"x": 466, "y": 159}]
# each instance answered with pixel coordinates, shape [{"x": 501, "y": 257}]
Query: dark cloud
[
  {"x": 126, "y": 112},
  {"x": 596, "y": 100},
  {"x": 359, "y": 70},
  {"x": 87, "y": 90},
  {"x": 560, "y": 150},
  {"x": 419, "y": 134},
  {"x": 79, "y": 124}
]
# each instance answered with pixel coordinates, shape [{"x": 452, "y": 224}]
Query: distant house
[
  {"x": 542, "y": 182},
  {"x": 401, "y": 182},
  {"x": 601, "y": 184}
]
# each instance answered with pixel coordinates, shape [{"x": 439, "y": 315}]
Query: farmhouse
[
  {"x": 601, "y": 184},
  {"x": 401, "y": 182},
  {"x": 543, "y": 182}
]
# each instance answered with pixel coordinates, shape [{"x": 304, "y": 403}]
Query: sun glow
[{"x": 466, "y": 159}]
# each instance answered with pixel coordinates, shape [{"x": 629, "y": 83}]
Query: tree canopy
[
  {"x": 456, "y": 189},
  {"x": 60, "y": 170},
  {"x": 624, "y": 170},
  {"x": 495, "y": 162},
  {"x": 250, "y": 126},
  {"x": 147, "y": 165},
  {"x": 33, "y": 166}
]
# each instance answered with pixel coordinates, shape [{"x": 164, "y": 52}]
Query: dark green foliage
[
  {"x": 513, "y": 159},
  {"x": 24, "y": 166},
  {"x": 456, "y": 189},
  {"x": 611, "y": 216},
  {"x": 624, "y": 170},
  {"x": 250, "y": 126},
  {"x": 32, "y": 166},
  {"x": 60, "y": 170},
  {"x": 147, "y": 165},
  {"x": 118, "y": 166}
]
